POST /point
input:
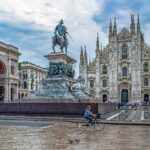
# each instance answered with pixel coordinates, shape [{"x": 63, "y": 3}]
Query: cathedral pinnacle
[
  {"x": 115, "y": 27},
  {"x": 101, "y": 47},
  {"x": 81, "y": 56},
  {"x": 132, "y": 25},
  {"x": 85, "y": 55},
  {"x": 138, "y": 24},
  {"x": 97, "y": 42},
  {"x": 110, "y": 29}
]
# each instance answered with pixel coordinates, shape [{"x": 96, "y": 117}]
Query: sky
[{"x": 29, "y": 24}]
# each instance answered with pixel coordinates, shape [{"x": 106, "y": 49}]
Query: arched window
[
  {"x": 24, "y": 76},
  {"x": 124, "y": 71},
  {"x": 145, "y": 67},
  {"x": 25, "y": 85},
  {"x": 104, "y": 83},
  {"x": 145, "y": 81},
  {"x": 124, "y": 51},
  {"x": 22, "y": 95},
  {"x": 2, "y": 68},
  {"x": 104, "y": 69},
  {"x": 91, "y": 83},
  {"x": 12, "y": 69}
]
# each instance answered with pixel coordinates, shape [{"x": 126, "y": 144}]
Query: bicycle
[{"x": 96, "y": 125}]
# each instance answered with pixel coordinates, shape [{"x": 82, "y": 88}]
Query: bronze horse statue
[{"x": 60, "y": 41}]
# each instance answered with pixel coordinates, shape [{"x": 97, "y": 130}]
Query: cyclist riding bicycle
[{"x": 88, "y": 114}]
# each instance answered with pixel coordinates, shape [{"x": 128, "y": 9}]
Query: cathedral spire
[
  {"x": 85, "y": 56},
  {"x": 101, "y": 46},
  {"x": 110, "y": 29},
  {"x": 132, "y": 25},
  {"x": 97, "y": 42},
  {"x": 115, "y": 27},
  {"x": 138, "y": 25},
  {"x": 81, "y": 57}
]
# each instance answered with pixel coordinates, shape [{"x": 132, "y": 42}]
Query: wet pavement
[
  {"x": 24, "y": 123},
  {"x": 67, "y": 136}
]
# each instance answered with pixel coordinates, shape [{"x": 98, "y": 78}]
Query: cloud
[
  {"x": 121, "y": 9},
  {"x": 29, "y": 24}
]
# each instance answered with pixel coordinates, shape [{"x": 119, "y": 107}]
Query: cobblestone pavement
[{"x": 55, "y": 137}]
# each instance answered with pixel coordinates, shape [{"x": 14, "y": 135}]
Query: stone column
[
  {"x": 17, "y": 92},
  {"x": 6, "y": 92},
  {"x": 9, "y": 92}
]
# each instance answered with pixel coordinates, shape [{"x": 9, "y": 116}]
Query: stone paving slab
[{"x": 55, "y": 137}]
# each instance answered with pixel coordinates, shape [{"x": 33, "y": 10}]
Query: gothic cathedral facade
[{"x": 120, "y": 72}]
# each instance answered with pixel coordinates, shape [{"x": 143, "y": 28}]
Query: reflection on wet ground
[
  {"x": 24, "y": 123},
  {"x": 61, "y": 136}
]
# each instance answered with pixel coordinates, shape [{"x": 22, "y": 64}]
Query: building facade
[
  {"x": 9, "y": 78},
  {"x": 30, "y": 76},
  {"x": 121, "y": 70}
]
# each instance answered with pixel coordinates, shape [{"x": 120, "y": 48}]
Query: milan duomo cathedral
[{"x": 121, "y": 70}]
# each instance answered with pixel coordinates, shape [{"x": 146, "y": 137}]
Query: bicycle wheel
[{"x": 99, "y": 126}]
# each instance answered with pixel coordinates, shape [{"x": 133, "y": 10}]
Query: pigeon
[
  {"x": 77, "y": 140},
  {"x": 70, "y": 141}
]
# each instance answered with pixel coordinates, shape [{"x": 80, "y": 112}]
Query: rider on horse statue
[{"x": 60, "y": 36}]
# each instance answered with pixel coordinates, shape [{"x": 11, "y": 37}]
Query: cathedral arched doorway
[
  {"x": 2, "y": 93},
  {"x": 104, "y": 98},
  {"x": 146, "y": 98},
  {"x": 124, "y": 96}
]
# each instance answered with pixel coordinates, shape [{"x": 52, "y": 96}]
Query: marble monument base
[{"x": 59, "y": 80}]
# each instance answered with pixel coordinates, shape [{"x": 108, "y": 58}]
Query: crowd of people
[{"x": 134, "y": 105}]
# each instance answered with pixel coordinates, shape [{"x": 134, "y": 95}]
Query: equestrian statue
[{"x": 60, "y": 37}]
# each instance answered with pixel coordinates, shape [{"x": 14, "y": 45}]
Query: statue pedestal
[
  {"x": 59, "y": 83},
  {"x": 61, "y": 68},
  {"x": 60, "y": 78}
]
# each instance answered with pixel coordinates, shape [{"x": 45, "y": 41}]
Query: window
[
  {"x": 12, "y": 69},
  {"x": 124, "y": 52},
  {"x": 104, "y": 98},
  {"x": 24, "y": 76},
  {"x": 145, "y": 67},
  {"x": 2, "y": 68},
  {"x": 25, "y": 85},
  {"x": 91, "y": 83},
  {"x": 146, "y": 81},
  {"x": 104, "y": 69},
  {"x": 104, "y": 83},
  {"x": 124, "y": 71}
]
